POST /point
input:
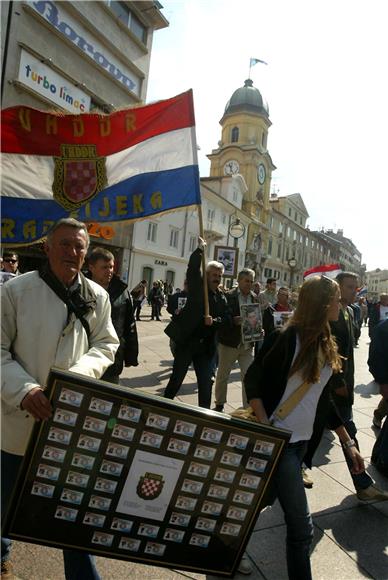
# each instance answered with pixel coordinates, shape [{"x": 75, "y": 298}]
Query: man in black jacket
[
  {"x": 101, "y": 266},
  {"x": 194, "y": 333},
  {"x": 230, "y": 344}
]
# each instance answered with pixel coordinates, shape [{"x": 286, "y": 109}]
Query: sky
[{"x": 327, "y": 90}]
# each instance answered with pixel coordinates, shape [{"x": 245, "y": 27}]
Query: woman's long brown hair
[{"x": 310, "y": 319}]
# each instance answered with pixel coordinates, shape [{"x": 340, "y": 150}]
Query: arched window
[{"x": 235, "y": 133}]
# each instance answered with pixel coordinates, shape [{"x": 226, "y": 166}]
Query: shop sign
[
  {"x": 44, "y": 80},
  {"x": 96, "y": 230},
  {"x": 161, "y": 263},
  {"x": 78, "y": 35}
]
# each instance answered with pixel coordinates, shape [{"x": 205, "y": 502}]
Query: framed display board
[
  {"x": 122, "y": 474},
  {"x": 251, "y": 322},
  {"x": 228, "y": 256}
]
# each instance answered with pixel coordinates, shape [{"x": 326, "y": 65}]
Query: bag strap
[{"x": 285, "y": 408}]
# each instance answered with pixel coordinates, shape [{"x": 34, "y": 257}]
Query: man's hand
[
  {"x": 208, "y": 320},
  {"x": 201, "y": 243},
  {"x": 358, "y": 462},
  {"x": 37, "y": 404},
  {"x": 237, "y": 320}
]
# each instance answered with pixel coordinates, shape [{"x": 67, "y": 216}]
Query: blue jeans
[
  {"x": 78, "y": 565},
  {"x": 344, "y": 409},
  {"x": 288, "y": 484},
  {"x": 203, "y": 362}
]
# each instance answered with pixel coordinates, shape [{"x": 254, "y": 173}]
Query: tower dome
[{"x": 247, "y": 98}]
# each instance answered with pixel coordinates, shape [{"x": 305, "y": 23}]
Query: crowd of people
[{"x": 294, "y": 353}]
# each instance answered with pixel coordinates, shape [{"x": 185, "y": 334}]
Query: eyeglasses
[{"x": 9, "y": 260}]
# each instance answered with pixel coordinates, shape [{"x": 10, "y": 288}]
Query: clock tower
[{"x": 243, "y": 149}]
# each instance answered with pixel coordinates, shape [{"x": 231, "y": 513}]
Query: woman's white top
[{"x": 301, "y": 419}]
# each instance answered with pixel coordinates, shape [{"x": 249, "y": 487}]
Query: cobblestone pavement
[{"x": 351, "y": 538}]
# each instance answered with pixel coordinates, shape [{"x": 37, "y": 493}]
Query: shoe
[
  {"x": 245, "y": 566},
  {"x": 376, "y": 422},
  {"x": 7, "y": 571},
  {"x": 218, "y": 408},
  {"x": 372, "y": 493},
  {"x": 307, "y": 481}
]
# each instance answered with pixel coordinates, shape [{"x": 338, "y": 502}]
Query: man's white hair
[{"x": 216, "y": 265}]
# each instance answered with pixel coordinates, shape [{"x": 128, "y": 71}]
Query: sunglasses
[{"x": 9, "y": 260}]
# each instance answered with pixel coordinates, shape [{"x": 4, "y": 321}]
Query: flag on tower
[{"x": 254, "y": 61}]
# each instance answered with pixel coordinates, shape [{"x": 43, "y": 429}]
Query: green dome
[{"x": 247, "y": 98}]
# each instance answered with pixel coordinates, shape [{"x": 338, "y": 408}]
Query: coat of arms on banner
[
  {"x": 150, "y": 486},
  {"x": 78, "y": 175}
]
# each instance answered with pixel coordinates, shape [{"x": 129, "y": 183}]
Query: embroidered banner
[{"x": 124, "y": 166}]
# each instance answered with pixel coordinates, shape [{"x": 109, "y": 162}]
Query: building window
[
  {"x": 271, "y": 222},
  {"x": 235, "y": 135},
  {"x": 295, "y": 234},
  {"x": 270, "y": 246},
  {"x": 223, "y": 218},
  {"x": 174, "y": 236},
  {"x": 267, "y": 272},
  {"x": 280, "y": 227},
  {"x": 296, "y": 216},
  {"x": 192, "y": 244},
  {"x": 170, "y": 277},
  {"x": 289, "y": 211},
  {"x": 300, "y": 220},
  {"x": 285, "y": 276},
  {"x": 152, "y": 231},
  {"x": 235, "y": 192},
  {"x": 279, "y": 250},
  {"x": 126, "y": 16},
  {"x": 288, "y": 231}
]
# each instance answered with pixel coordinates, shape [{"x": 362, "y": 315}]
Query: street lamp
[
  {"x": 236, "y": 230},
  {"x": 292, "y": 264}
]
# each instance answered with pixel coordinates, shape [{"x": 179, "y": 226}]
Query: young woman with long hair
[{"x": 301, "y": 352}]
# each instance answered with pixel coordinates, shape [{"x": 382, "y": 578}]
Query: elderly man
[
  {"x": 230, "y": 344},
  {"x": 53, "y": 317},
  {"x": 194, "y": 333}
]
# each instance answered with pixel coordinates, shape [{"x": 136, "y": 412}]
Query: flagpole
[{"x": 202, "y": 235}]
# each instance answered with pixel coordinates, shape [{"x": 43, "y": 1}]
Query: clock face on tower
[
  {"x": 231, "y": 167},
  {"x": 261, "y": 173}
]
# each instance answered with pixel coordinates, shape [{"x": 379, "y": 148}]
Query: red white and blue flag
[
  {"x": 128, "y": 165},
  {"x": 329, "y": 270}
]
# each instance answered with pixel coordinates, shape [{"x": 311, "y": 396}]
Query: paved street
[{"x": 351, "y": 539}]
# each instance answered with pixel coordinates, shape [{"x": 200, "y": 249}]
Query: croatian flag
[
  {"x": 128, "y": 165},
  {"x": 329, "y": 270}
]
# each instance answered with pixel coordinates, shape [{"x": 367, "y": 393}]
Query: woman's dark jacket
[
  {"x": 189, "y": 327},
  {"x": 267, "y": 377}
]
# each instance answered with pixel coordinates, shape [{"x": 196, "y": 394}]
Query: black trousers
[{"x": 202, "y": 358}]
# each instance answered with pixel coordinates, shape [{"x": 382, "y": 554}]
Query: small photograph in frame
[
  {"x": 42, "y": 489},
  {"x": 228, "y": 256},
  {"x": 280, "y": 318},
  {"x": 251, "y": 322},
  {"x": 264, "y": 447}
]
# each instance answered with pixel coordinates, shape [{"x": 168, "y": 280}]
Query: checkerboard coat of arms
[
  {"x": 150, "y": 486},
  {"x": 79, "y": 175}
]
